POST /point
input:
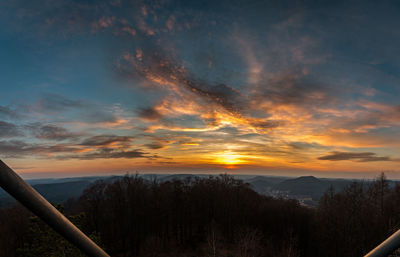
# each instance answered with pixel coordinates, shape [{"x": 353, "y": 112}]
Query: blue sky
[{"x": 282, "y": 87}]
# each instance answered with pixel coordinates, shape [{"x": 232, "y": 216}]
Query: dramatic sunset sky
[{"x": 248, "y": 87}]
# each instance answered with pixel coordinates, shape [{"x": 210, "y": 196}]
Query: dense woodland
[{"x": 218, "y": 216}]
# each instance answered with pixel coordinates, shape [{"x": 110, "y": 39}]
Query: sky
[{"x": 241, "y": 87}]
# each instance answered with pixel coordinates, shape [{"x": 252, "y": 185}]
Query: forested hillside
[{"x": 215, "y": 216}]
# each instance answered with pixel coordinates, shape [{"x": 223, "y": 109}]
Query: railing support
[
  {"x": 31, "y": 199},
  {"x": 386, "y": 247}
]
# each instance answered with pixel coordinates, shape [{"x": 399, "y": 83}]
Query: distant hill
[
  {"x": 307, "y": 186},
  {"x": 310, "y": 186},
  {"x": 53, "y": 192},
  {"x": 60, "y": 190},
  {"x": 176, "y": 176},
  {"x": 62, "y": 180},
  {"x": 263, "y": 184}
]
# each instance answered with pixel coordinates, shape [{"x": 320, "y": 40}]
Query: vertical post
[{"x": 31, "y": 199}]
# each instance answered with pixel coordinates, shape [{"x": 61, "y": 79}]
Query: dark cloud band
[{"x": 358, "y": 157}]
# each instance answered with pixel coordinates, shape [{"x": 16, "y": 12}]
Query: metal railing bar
[
  {"x": 13, "y": 184},
  {"x": 386, "y": 247}
]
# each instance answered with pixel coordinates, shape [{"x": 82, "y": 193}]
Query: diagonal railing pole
[
  {"x": 26, "y": 195},
  {"x": 386, "y": 247}
]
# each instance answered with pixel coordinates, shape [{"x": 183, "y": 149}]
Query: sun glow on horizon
[{"x": 229, "y": 158}]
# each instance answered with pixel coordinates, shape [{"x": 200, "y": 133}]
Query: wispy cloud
[
  {"x": 50, "y": 102},
  {"x": 92, "y": 148},
  {"x": 51, "y": 132},
  {"x": 358, "y": 157},
  {"x": 149, "y": 113},
  {"x": 8, "y": 113},
  {"x": 107, "y": 153},
  {"x": 62, "y": 109},
  {"x": 20, "y": 149},
  {"x": 106, "y": 140},
  {"x": 8, "y": 130}
]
